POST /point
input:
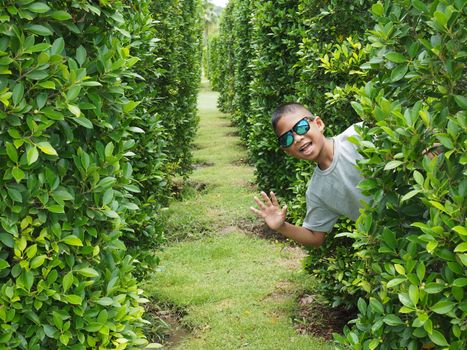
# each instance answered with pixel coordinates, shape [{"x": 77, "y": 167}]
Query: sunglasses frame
[{"x": 308, "y": 119}]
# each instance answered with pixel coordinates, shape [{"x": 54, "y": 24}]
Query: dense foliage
[
  {"x": 85, "y": 159},
  {"x": 400, "y": 67},
  {"x": 412, "y": 240},
  {"x": 165, "y": 84}
]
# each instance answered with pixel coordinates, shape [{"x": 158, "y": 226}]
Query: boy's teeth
[{"x": 304, "y": 146}]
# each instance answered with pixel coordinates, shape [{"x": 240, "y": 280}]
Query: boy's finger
[
  {"x": 260, "y": 204},
  {"x": 274, "y": 199},
  {"x": 284, "y": 210},
  {"x": 257, "y": 212},
  {"x": 266, "y": 198}
]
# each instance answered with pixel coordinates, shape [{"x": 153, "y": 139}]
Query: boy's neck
[{"x": 327, "y": 155}]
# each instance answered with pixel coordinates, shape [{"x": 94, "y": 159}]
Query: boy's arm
[
  {"x": 274, "y": 217},
  {"x": 302, "y": 235}
]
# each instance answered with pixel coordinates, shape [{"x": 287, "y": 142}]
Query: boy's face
[{"x": 308, "y": 146}]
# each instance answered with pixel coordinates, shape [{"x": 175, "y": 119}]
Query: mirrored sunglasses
[{"x": 300, "y": 128}]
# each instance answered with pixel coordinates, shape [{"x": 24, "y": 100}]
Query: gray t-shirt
[{"x": 333, "y": 192}]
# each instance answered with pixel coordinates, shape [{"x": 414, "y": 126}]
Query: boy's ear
[{"x": 319, "y": 123}]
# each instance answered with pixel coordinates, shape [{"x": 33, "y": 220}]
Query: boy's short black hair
[{"x": 284, "y": 109}]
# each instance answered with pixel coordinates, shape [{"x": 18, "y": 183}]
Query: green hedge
[
  {"x": 65, "y": 189},
  {"x": 177, "y": 77},
  {"x": 88, "y": 143},
  {"x": 165, "y": 83},
  {"x": 413, "y": 238}
]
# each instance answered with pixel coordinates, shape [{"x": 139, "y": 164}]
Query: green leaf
[
  {"x": 460, "y": 282},
  {"x": 413, "y": 294},
  {"x": 437, "y": 338},
  {"x": 358, "y": 108},
  {"x": 108, "y": 196},
  {"x": 376, "y": 306},
  {"x": 67, "y": 281},
  {"x": 32, "y": 155},
  {"x": 62, "y": 195},
  {"x": 421, "y": 271},
  {"x": 38, "y": 29},
  {"x": 443, "y": 307},
  {"x": 3, "y": 264},
  {"x": 409, "y": 195},
  {"x": 49, "y": 84},
  {"x": 74, "y": 110},
  {"x": 377, "y": 9},
  {"x": 52, "y": 114},
  {"x": 14, "y": 194},
  {"x": 6, "y": 239},
  {"x": 11, "y": 151},
  {"x": 130, "y": 106},
  {"x": 74, "y": 299},
  {"x": 88, "y": 272},
  {"x": 58, "y": 46},
  {"x": 38, "y": 7},
  {"x": 106, "y": 182},
  {"x": 398, "y": 73},
  {"x": 18, "y": 92},
  {"x": 395, "y": 281},
  {"x": 73, "y": 92},
  {"x": 84, "y": 122},
  {"x": 60, "y": 15},
  {"x": 400, "y": 269},
  {"x": 395, "y": 57},
  {"x": 461, "y": 248},
  {"x": 27, "y": 279},
  {"x": 38, "y": 75},
  {"x": 392, "y": 320},
  {"x": 461, "y": 101},
  {"x": 389, "y": 238},
  {"x": 392, "y": 164},
  {"x": 38, "y": 261},
  {"x": 56, "y": 208},
  {"x": 460, "y": 230},
  {"x": 81, "y": 55},
  {"x": 446, "y": 141},
  {"x": 72, "y": 240},
  {"x": 47, "y": 148},
  {"x": 433, "y": 288},
  {"x": 105, "y": 301}
]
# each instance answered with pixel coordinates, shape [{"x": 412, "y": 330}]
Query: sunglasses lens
[
  {"x": 286, "y": 140},
  {"x": 302, "y": 127}
]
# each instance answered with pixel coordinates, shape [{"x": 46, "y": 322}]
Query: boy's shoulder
[{"x": 350, "y": 131}]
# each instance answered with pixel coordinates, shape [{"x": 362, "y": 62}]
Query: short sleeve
[{"x": 319, "y": 218}]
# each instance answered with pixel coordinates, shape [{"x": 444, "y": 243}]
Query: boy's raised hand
[{"x": 270, "y": 211}]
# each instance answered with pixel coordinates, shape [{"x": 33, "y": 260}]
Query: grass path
[{"x": 239, "y": 291}]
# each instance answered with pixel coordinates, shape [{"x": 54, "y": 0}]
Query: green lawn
[{"x": 239, "y": 291}]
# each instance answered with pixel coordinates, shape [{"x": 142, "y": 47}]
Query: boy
[{"x": 332, "y": 191}]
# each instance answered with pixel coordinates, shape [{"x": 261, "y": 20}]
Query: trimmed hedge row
[
  {"x": 166, "y": 37},
  {"x": 400, "y": 67},
  {"x": 412, "y": 240},
  {"x": 84, "y": 165}
]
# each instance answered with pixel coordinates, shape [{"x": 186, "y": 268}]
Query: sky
[{"x": 219, "y": 2}]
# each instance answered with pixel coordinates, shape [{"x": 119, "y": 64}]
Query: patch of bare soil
[
  {"x": 241, "y": 162},
  {"x": 165, "y": 325},
  {"x": 321, "y": 320},
  {"x": 261, "y": 230},
  {"x": 201, "y": 165},
  {"x": 234, "y": 133},
  {"x": 178, "y": 187}
]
